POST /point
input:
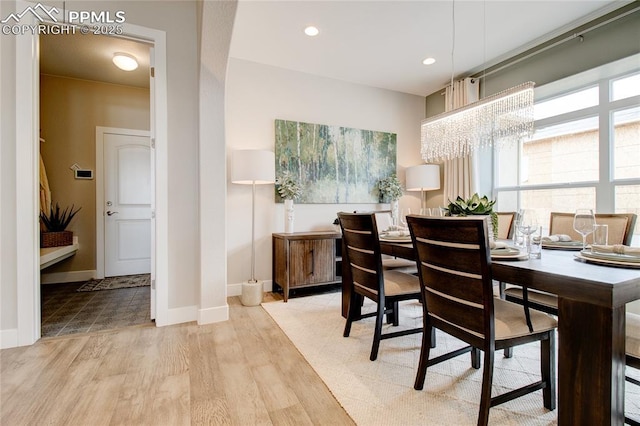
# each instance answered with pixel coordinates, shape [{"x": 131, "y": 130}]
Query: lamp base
[{"x": 252, "y": 293}]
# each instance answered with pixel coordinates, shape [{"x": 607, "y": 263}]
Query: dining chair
[
  {"x": 632, "y": 348},
  {"x": 454, "y": 267},
  {"x": 383, "y": 222},
  {"x": 621, "y": 226},
  {"x": 368, "y": 279},
  {"x": 506, "y": 225}
]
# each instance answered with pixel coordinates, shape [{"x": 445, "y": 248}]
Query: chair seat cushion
[
  {"x": 633, "y": 335},
  {"x": 393, "y": 263},
  {"x": 398, "y": 283},
  {"x": 535, "y": 296},
  {"x": 510, "y": 320}
]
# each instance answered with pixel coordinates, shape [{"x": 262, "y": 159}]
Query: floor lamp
[
  {"x": 425, "y": 177},
  {"x": 253, "y": 167}
]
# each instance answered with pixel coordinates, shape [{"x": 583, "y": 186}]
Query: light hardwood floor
[{"x": 243, "y": 371}]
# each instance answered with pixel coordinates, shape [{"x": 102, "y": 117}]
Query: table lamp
[
  {"x": 253, "y": 167},
  {"x": 425, "y": 177}
]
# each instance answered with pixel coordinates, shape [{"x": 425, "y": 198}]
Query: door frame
[
  {"x": 27, "y": 154},
  {"x": 100, "y": 234}
]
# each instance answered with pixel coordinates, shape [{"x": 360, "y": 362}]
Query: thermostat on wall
[{"x": 83, "y": 174}]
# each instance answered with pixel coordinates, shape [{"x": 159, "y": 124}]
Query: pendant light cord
[{"x": 453, "y": 48}]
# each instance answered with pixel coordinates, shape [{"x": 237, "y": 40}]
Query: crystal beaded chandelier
[{"x": 497, "y": 120}]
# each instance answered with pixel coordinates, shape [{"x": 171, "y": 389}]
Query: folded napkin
[
  {"x": 617, "y": 249},
  {"x": 400, "y": 233},
  {"x": 556, "y": 238},
  {"x": 497, "y": 245}
]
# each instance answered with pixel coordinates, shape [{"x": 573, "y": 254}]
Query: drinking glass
[{"x": 583, "y": 222}]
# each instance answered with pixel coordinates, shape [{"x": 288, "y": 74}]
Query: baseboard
[
  {"x": 213, "y": 315},
  {"x": 67, "y": 277},
  {"x": 236, "y": 289},
  {"x": 9, "y": 338},
  {"x": 182, "y": 315}
]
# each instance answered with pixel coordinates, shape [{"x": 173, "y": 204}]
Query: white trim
[
  {"x": 8, "y": 338},
  {"x": 27, "y": 148},
  {"x": 182, "y": 314},
  {"x": 99, "y": 179},
  {"x": 67, "y": 277},
  {"x": 27, "y": 167},
  {"x": 212, "y": 315}
]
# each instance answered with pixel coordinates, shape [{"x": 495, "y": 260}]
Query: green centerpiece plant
[{"x": 475, "y": 205}]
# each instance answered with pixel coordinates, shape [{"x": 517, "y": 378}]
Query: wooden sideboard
[{"x": 306, "y": 259}]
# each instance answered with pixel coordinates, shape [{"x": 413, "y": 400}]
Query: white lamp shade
[
  {"x": 250, "y": 166},
  {"x": 425, "y": 177}
]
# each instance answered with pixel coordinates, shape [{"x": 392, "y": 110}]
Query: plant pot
[{"x": 56, "y": 239}]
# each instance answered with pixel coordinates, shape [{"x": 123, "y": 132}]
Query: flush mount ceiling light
[
  {"x": 124, "y": 61},
  {"x": 429, "y": 61},
  {"x": 311, "y": 31}
]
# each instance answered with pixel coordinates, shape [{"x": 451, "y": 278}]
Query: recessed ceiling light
[
  {"x": 429, "y": 61},
  {"x": 311, "y": 31},
  {"x": 124, "y": 61}
]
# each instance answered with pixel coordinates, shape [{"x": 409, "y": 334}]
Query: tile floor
[{"x": 65, "y": 311}]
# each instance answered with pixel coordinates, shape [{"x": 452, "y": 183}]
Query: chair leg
[
  {"x": 475, "y": 358},
  {"x": 396, "y": 313},
  {"x": 425, "y": 349},
  {"x": 354, "y": 301},
  {"x": 508, "y": 352},
  {"x": 377, "y": 335},
  {"x": 433, "y": 337},
  {"x": 487, "y": 381},
  {"x": 548, "y": 370}
]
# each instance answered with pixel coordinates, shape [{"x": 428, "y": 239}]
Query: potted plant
[
  {"x": 55, "y": 223},
  {"x": 475, "y": 205},
  {"x": 390, "y": 191},
  {"x": 289, "y": 189}
]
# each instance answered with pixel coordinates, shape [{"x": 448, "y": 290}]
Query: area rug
[
  {"x": 111, "y": 283},
  {"x": 381, "y": 392}
]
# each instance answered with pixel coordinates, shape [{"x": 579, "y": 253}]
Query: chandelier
[{"x": 496, "y": 120}]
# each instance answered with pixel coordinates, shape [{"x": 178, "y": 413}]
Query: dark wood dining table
[{"x": 591, "y": 326}]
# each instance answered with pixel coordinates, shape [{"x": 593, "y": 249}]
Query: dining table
[{"x": 592, "y": 302}]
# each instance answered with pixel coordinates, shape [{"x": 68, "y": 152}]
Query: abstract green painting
[{"x": 334, "y": 164}]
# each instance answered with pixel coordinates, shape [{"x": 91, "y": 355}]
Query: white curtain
[{"x": 459, "y": 179}]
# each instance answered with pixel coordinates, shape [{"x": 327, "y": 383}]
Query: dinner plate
[
  {"x": 611, "y": 256},
  {"x": 508, "y": 254},
  {"x": 562, "y": 245},
  {"x": 606, "y": 262}
]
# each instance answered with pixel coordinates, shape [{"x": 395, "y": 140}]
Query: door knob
[{"x": 109, "y": 213}]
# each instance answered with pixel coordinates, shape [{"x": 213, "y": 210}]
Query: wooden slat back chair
[
  {"x": 383, "y": 222},
  {"x": 386, "y": 289},
  {"x": 621, "y": 226},
  {"x": 633, "y": 353},
  {"x": 506, "y": 225},
  {"x": 454, "y": 266}
]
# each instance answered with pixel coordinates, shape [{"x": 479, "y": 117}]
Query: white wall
[
  {"x": 179, "y": 20},
  {"x": 257, "y": 95}
]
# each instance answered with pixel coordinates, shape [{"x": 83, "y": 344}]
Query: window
[{"x": 585, "y": 150}]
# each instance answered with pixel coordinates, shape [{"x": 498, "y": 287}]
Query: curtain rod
[{"x": 576, "y": 33}]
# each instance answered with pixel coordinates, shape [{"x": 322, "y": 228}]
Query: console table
[{"x": 306, "y": 259}]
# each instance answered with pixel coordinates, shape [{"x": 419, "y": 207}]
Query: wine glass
[
  {"x": 403, "y": 216},
  {"x": 527, "y": 224},
  {"x": 583, "y": 222}
]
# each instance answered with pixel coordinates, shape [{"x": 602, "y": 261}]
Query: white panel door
[{"x": 127, "y": 209}]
